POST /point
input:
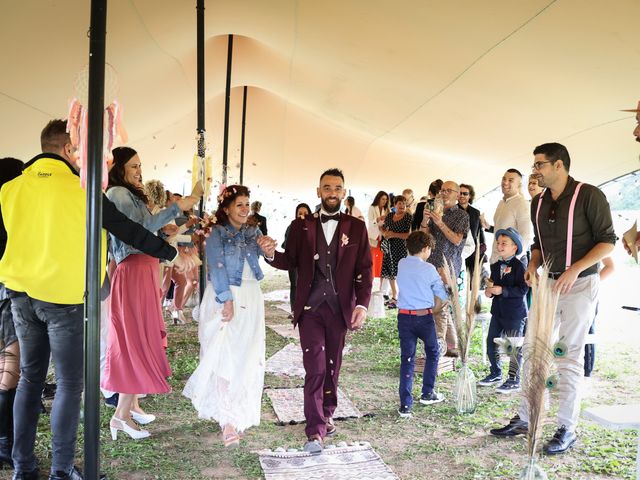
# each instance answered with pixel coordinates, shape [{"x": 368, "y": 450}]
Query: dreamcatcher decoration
[
  {"x": 202, "y": 168},
  {"x": 77, "y": 122}
]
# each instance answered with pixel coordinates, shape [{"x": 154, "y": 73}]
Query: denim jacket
[
  {"x": 227, "y": 249},
  {"x": 136, "y": 210}
]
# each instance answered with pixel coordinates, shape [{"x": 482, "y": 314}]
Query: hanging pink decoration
[{"x": 113, "y": 128}]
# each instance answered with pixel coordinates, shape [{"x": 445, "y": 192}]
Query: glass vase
[
  {"x": 533, "y": 471},
  {"x": 464, "y": 390}
]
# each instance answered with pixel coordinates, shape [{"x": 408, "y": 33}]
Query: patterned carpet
[
  {"x": 342, "y": 462},
  {"x": 287, "y": 361},
  {"x": 288, "y": 405}
]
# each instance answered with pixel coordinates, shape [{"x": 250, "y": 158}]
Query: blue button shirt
[{"x": 418, "y": 284}]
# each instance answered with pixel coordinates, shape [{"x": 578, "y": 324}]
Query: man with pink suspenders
[{"x": 573, "y": 231}]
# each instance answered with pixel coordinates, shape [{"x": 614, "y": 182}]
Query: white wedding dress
[{"x": 227, "y": 384}]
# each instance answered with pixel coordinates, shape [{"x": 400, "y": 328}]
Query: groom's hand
[{"x": 358, "y": 317}]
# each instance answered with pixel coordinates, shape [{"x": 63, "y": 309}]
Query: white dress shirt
[
  {"x": 513, "y": 212},
  {"x": 329, "y": 228}
]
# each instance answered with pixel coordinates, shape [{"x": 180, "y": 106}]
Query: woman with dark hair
[
  {"x": 10, "y": 168},
  {"x": 395, "y": 231},
  {"x": 351, "y": 209},
  {"x": 302, "y": 210},
  {"x": 377, "y": 213},
  {"x": 136, "y": 362},
  {"x": 227, "y": 385}
]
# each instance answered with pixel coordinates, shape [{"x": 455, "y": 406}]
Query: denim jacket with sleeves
[
  {"x": 136, "y": 210},
  {"x": 227, "y": 250}
]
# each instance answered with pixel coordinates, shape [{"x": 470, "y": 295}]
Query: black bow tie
[{"x": 326, "y": 218}]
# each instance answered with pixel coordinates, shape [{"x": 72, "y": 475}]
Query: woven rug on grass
[
  {"x": 357, "y": 461},
  {"x": 288, "y": 405},
  {"x": 288, "y": 361},
  {"x": 286, "y": 330},
  {"x": 446, "y": 364}
]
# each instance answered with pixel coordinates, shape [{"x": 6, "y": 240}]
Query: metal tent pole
[
  {"x": 227, "y": 101},
  {"x": 93, "y": 241},
  {"x": 201, "y": 129},
  {"x": 244, "y": 125}
]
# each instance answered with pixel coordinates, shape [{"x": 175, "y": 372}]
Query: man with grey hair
[
  {"x": 257, "y": 219},
  {"x": 449, "y": 227}
]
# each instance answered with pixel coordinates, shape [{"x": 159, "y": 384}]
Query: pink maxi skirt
[{"x": 136, "y": 361}]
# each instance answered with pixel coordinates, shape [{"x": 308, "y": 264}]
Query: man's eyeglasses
[
  {"x": 448, "y": 191},
  {"x": 538, "y": 165},
  {"x": 464, "y": 194}
]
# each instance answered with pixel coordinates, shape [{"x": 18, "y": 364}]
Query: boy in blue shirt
[
  {"x": 508, "y": 309},
  {"x": 421, "y": 292}
]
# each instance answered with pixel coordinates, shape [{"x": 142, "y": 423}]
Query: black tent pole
[
  {"x": 227, "y": 101},
  {"x": 94, "y": 237},
  {"x": 201, "y": 130},
  {"x": 244, "y": 126}
]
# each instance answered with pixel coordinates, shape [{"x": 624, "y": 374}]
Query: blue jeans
[
  {"x": 511, "y": 327},
  {"x": 47, "y": 329},
  {"x": 410, "y": 329}
]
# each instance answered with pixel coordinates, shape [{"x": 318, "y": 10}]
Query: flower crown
[{"x": 226, "y": 192}]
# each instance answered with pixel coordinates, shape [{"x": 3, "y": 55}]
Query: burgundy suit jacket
[{"x": 353, "y": 270}]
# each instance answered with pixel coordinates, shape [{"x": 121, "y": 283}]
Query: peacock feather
[{"x": 539, "y": 360}]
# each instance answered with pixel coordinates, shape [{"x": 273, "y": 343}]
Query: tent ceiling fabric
[{"x": 395, "y": 93}]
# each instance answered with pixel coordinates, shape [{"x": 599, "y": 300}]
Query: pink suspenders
[{"x": 572, "y": 208}]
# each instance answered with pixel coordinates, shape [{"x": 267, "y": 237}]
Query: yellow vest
[{"x": 44, "y": 212}]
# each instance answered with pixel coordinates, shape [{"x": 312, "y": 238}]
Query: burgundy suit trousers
[{"x": 322, "y": 335}]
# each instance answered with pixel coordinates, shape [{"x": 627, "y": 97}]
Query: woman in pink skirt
[{"x": 136, "y": 362}]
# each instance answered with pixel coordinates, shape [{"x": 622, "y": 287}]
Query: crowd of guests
[{"x": 152, "y": 248}]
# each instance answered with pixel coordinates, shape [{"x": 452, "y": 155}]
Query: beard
[{"x": 328, "y": 208}]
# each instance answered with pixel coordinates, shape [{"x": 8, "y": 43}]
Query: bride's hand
[{"x": 227, "y": 311}]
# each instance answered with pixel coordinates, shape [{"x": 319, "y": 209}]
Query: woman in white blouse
[{"x": 377, "y": 213}]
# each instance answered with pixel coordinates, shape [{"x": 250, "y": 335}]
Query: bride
[{"x": 227, "y": 384}]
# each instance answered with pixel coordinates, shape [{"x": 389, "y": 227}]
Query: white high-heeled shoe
[
  {"x": 142, "y": 418},
  {"x": 132, "y": 432}
]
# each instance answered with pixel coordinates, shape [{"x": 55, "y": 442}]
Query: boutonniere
[
  {"x": 504, "y": 270},
  {"x": 344, "y": 240},
  {"x": 315, "y": 215},
  {"x": 316, "y": 257}
]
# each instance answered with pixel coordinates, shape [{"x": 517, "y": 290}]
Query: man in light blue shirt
[{"x": 421, "y": 292}]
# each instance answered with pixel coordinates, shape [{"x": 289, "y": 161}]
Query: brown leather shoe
[
  {"x": 331, "y": 427},
  {"x": 313, "y": 445}
]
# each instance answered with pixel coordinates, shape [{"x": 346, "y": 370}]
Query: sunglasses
[{"x": 464, "y": 194}]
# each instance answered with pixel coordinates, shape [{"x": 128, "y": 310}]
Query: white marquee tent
[{"x": 396, "y": 93}]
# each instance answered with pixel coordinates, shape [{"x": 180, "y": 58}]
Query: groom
[{"x": 331, "y": 254}]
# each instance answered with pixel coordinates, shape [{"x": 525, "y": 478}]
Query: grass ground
[{"x": 436, "y": 443}]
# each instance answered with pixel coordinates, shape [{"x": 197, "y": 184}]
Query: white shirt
[
  {"x": 329, "y": 228},
  {"x": 513, "y": 212}
]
